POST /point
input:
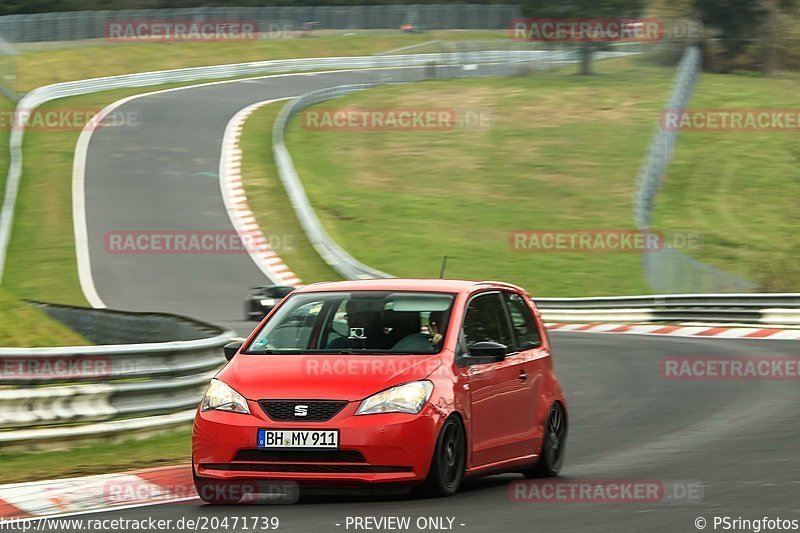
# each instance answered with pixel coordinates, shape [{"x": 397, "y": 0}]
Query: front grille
[
  {"x": 295, "y": 456},
  {"x": 307, "y": 468},
  {"x": 317, "y": 410}
]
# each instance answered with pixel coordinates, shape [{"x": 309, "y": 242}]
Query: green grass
[
  {"x": 268, "y": 200},
  {"x": 41, "y": 258},
  {"x": 563, "y": 153},
  {"x": 44, "y": 64},
  {"x": 24, "y": 326},
  {"x": 41, "y": 262},
  {"x": 97, "y": 458},
  {"x": 740, "y": 190}
]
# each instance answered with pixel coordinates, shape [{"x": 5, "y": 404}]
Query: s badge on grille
[{"x": 300, "y": 410}]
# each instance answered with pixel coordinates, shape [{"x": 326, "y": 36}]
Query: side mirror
[
  {"x": 487, "y": 352},
  {"x": 231, "y": 349}
]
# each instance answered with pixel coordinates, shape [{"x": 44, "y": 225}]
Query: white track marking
[
  {"x": 686, "y": 331},
  {"x": 79, "y": 206},
  {"x": 79, "y": 178},
  {"x": 233, "y": 194}
]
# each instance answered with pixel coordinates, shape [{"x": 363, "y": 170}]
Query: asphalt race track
[
  {"x": 162, "y": 175},
  {"x": 738, "y": 439}
]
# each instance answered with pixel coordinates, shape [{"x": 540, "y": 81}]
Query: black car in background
[{"x": 261, "y": 300}]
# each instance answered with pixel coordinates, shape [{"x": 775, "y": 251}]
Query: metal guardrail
[
  {"x": 157, "y": 385},
  {"x": 89, "y": 391},
  {"x": 270, "y": 20},
  {"x": 657, "y": 301},
  {"x": 153, "y": 385},
  {"x": 8, "y": 70},
  {"x": 47, "y": 93},
  {"x": 333, "y": 254},
  {"x": 470, "y": 63},
  {"x": 776, "y": 309}
]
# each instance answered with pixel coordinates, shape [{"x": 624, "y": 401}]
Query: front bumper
[{"x": 395, "y": 448}]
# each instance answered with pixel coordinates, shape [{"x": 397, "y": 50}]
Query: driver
[{"x": 363, "y": 326}]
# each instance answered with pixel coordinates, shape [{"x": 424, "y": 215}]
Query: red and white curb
[
  {"x": 682, "y": 331},
  {"x": 108, "y": 491},
  {"x": 242, "y": 218}
]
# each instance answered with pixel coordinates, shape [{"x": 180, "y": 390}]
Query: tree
[
  {"x": 775, "y": 11},
  {"x": 682, "y": 28},
  {"x": 737, "y": 23},
  {"x": 584, "y": 9}
]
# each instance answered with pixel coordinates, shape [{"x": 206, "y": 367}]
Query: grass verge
[
  {"x": 98, "y": 458},
  {"x": 740, "y": 190},
  {"x": 562, "y": 153},
  {"x": 41, "y": 263},
  {"x": 22, "y": 325},
  {"x": 41, "y": 259}
]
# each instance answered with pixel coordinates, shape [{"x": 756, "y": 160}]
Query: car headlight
[
  {"x": 221, "y": 397},
  {"x": 407, "y": 398},
  {"x": 267, "y": 302}
]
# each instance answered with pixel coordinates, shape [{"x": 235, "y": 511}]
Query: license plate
[{"x": 298, "y": 438}]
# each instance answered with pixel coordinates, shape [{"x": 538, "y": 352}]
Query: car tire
[
  {"x": 215, "y": 492},
  {"x": 449, "y": 460},
  {"x": 554, "y": 443}
]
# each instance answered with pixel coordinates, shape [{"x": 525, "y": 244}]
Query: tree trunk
[
  {"x": 771, "y": 39},
  {"x": 586, "y": 59}
]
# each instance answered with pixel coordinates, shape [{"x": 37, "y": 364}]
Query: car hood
[{"x": 324, "y": 377}]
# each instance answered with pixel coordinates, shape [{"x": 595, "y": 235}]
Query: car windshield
[{"x": 357, "y": 322}]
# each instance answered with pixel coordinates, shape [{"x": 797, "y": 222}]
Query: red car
[{"x": 391, "y": 381}]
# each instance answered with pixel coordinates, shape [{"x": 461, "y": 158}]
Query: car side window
[
  {"x": 486, "y": 321},
  {"x": 525, "y": 330}
]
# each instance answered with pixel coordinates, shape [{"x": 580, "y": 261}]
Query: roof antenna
[{"x": 444, "y": 267}]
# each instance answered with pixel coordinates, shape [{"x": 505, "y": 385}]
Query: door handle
[{"x": 523, "y": 376}]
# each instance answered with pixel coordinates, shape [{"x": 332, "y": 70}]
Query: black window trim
[
  {"x": 461, "y": 346},
  {"x": 511, "y": 323}
]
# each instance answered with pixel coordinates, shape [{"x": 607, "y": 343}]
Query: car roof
[{"x": 400, "y": 284}]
